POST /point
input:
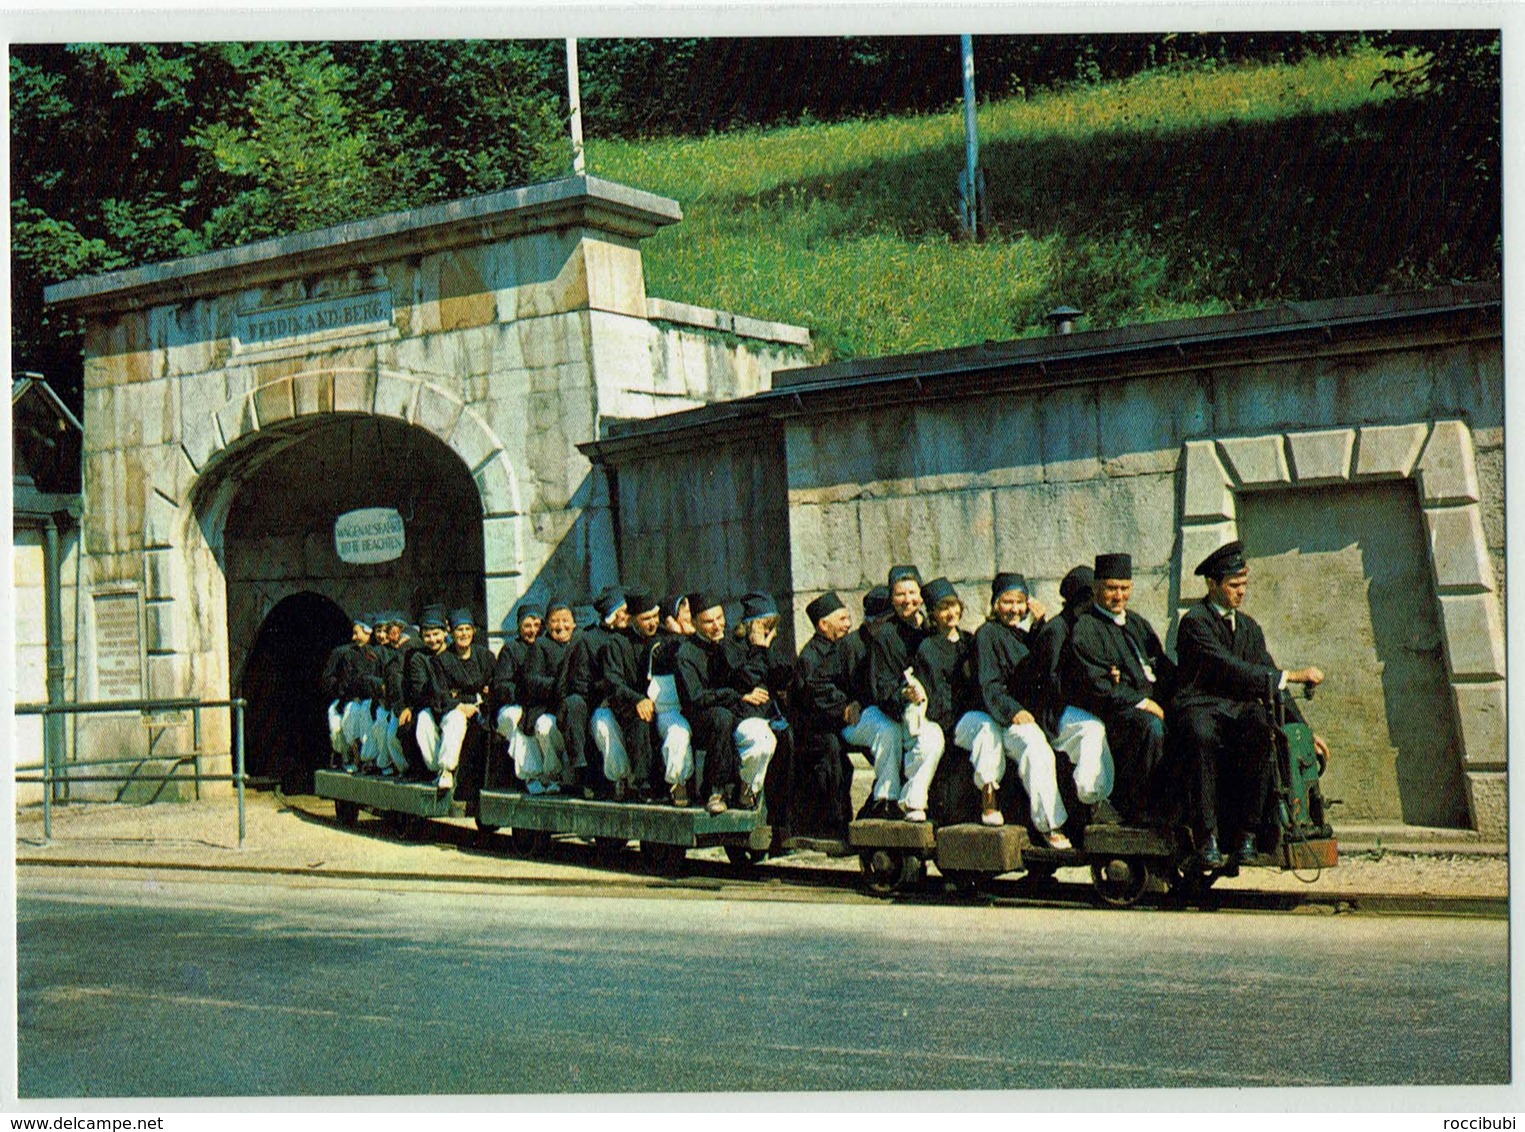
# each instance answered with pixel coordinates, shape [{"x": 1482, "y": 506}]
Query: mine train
[{"x": 1125, "y": 861}]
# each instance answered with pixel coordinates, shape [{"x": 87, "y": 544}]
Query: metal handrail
[{"x": 51, "y": 759}]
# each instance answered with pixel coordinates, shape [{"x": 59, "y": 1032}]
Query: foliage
[
  {"x": 128, "y": 154},
  {"x": 1178, "y": 192}
]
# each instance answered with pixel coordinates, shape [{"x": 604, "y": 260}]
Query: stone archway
[
  {"x": 185, "y": 597},
  {"x": 1439, "y": 460}
]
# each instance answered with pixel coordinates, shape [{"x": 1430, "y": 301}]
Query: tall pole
[
  {"x": 574, "y": 97},
  {"x": 969, "y": 182}
]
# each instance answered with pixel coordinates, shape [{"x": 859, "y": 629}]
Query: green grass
[{"x": 1171, "y": 194}]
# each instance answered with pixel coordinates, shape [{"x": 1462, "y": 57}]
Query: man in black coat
[
  {"x": 425, "y": 696},
  {"x": 1073, "y": 731},
  {"x": 622, "y": 712},
  {"x": 508, "y": 688},
  {"x": 352, "y": 682},
  {"x": 823, "y": 709},
  {"x": 1115, "y": 668},
  {"x": 1220, "y": 712},
  {"x": 542, "y": 690}
]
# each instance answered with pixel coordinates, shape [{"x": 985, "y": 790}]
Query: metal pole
[
  {"x": 52, "y": 725},
  {"x": 969, "y": 186},
  {"x": 238, "y": 763},
  {"x": 47, "y": 797},
  {"x": 574, "y": 98},
  {"x": 196, "y": 748}
]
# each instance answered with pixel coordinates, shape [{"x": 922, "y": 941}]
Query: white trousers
[
  {"x": 336, "y": 726},
  {"x": 382, "y": 746},
  {"x": 611, "y": 744},
  {"x": 677, "y": 747},
  {"x": 923, "y": 750},
  {"x": 532, "y": 762},
  {"x": 553, "y": 748},
  {"x": 1083, "y": 738},
  {"x": 991, "y": 747},
  {"x": 883, "y": 738},
  {"x": 441, "y": 742},
  {"x": 755, "y": 744}
]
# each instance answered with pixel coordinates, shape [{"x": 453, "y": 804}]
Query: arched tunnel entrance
[{"x": 291, "y": 591}]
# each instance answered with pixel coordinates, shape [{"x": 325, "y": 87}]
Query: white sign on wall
[
  {"x": 118, "y": 645},
  {"x": 369, "y": 535}
]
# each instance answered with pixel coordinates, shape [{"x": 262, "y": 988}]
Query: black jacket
[
  {"x": 822, "y": 680},
  {"x": 1096, "y": 644},
  {"x": 508, "y": 674},
  {"x": 423, "y": 683},
  {"x": 1007, "y": 675},
  {"x": 1219, "y": 664},
  {"x": 948, "y": 671},
  {"x": 892, "y": 647},
  {"x": 1047, "y": 647}
]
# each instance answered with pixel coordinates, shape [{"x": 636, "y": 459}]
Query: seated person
[
  {"x": 539, "y": 774},
  {"x": 673, "y": 732},
  {"x": 1073, "y": 732},
  {"x": 465, "y": 672},
  {"x": 823, "y": 711},
  {"x": 1115, "y": 667},
  {"x": 622, "y": 712},
  {"x": 1220, "y": 714},
  {"x": 1007, "y": 729},
  {"x": 542, "y": 688},
  {"x": 903, "y": 700}
]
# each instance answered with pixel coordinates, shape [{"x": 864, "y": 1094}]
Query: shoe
[
  {"x": 1246, "y": 851},
  {"x": 588, "y": 793},
  {"x": 680, "y": 795},
  {"x": 1211, "y": 855},
  {"x": 445, "y": 781},
  {"x": 916, "y": 815},
  {"x": 553, "y": 788},
  {"x": 747, "y": 800},
  {"x": 621, "y": 790},
  {"x": 535, "y": 787},
  {"x": 716, "y": 804},
  {"x": 1103, "y": 814},
  {"x": 389, "y": 772},
  {"x": 350, "y": 768},
  {"x": 1057, "y": 840},
  {"x": 992, "y": 809}
]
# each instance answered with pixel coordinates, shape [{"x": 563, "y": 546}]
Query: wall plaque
[
  {"x": 369, "y": 535},
  {"x": 348, "y": 313},
  {"x": 118, "y": 646}
]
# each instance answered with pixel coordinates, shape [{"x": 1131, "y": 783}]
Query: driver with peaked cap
[
  {"x": 1115, "y": 667},
  {"x": 1219, "y": 711}
]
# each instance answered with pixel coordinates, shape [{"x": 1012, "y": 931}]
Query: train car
[{"x": 1123, "y": 860}]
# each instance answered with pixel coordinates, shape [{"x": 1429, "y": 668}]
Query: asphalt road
[{"x": 131, "y": 985}]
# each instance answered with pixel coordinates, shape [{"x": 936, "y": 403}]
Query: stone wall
[
  {"x": 28, "y": 580},
  {"x": 1036, "y": 456}
]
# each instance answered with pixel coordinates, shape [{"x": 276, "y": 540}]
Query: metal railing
[{"x": 56, "y": 773}]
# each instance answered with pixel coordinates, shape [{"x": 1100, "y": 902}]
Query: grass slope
[{"x": 1171, "y": 194}]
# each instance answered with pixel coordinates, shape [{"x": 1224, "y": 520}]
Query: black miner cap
[{"x": 1224, "y": 562}]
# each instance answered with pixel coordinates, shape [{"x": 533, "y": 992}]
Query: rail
[{"x": 55, "y": 774}]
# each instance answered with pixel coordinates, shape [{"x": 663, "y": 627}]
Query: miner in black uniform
[
  {"x": 1219, "y": 712},
  {"x": 1115, "y": 668},
  {"x": 900, "y": 696},
  {"x": 426, "y": 699},
  {"x": 673, "y": 731},
  {"x": 712, "y": 706},
  {"x": 945, "y": 665},
  {"x": 542, "y": 687},
  {"x": 508, "y": 698},
  {"x": 1073, "y": 731},
  {"x": 823, "y": 710},
  {"x": 383, "y": 739},
  {"x": 622, "y": 712},
  {"x": 352, "y": 682},
  {"x": 466, "y": 668}
]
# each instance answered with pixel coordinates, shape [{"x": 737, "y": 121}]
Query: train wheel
[
  {"x": 529, "y": 842},
  {"x": 882, "y": 870},
  {"x": 348, "y": 813},
  {"x": 744, "y": 859},
  {"x": 610, "y": 845},
  {"x": 663, "y": 859},
  {"x": 1120, "y": 881},
  {"x": 1191, "y": 884}
]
